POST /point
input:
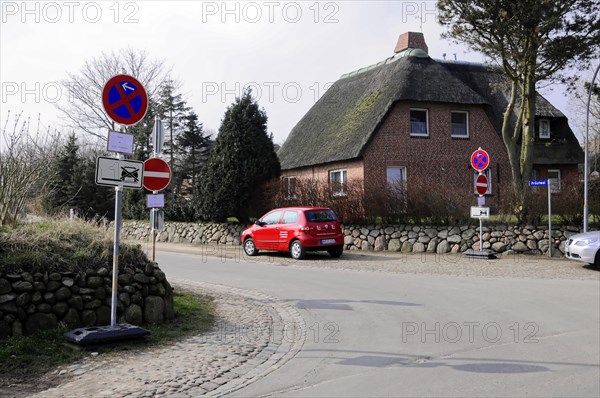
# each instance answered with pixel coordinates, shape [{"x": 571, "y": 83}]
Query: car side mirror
[{"x": 259, "y": 223}]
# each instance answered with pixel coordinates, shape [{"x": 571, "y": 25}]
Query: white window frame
[
  {"x": 466, "y": 121},
  {"x": 343, "y": 182},
  {"x": 286, "y": 187},
  {"x": 488, "y": 173},
  {"x": 426, "y": 122},
  {"x": 544, "y": 133},
  {"x": 554, "y": 186}
]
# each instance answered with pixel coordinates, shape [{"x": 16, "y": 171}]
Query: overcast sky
[{"x": 288, "y": 51}]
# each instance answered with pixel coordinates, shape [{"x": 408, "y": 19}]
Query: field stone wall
[
  {"x": 223, "y": 234},
  {"x": 379, "y": 237},
  {"x": 31, "y": 302},
  {"x": 457, "y": 239}
]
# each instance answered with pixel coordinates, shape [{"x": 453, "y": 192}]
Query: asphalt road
[{"x": 397, "y": 334}]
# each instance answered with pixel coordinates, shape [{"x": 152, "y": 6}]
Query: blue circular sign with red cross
[
  {"x": 480, "y": 160},
  {"x": 125, "y": 99}
]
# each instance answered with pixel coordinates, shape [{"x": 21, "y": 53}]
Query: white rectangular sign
[
  {"x": 120, "y": 142},
  {"x": 157, "y": 200},
  {"x": 480, "y": 212},
  {"x": 116, "y": 172}
]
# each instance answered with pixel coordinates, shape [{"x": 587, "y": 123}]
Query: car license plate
[{"x": 327, "y": 241}]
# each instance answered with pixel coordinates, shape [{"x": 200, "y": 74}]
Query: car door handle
[{"x": 277, "y": 228}]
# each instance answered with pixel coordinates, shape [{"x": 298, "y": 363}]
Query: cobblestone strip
[{"x": 254, "y": 334}]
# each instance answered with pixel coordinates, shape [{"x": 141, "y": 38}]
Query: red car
[{"x": 295, "y": 230}]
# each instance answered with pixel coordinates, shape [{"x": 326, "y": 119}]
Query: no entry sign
[
  {"x": 480, "y": 160},
  {"x": 125, "y": 99},
  {"x": 481, "y": 183},
  {"x": 157, "y": 174}
]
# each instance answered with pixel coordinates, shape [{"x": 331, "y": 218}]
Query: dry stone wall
[
  {"x": 406, "y": 238},
  {"x": 223, "y": 234},
  {"x": 34, "y": 301},
  {"x": 455, "y": 239}
]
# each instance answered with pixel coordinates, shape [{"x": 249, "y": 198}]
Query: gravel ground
[{"x": 506, "y": 266}]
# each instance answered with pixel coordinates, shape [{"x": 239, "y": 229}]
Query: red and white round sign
[
  {"x": 481, "y": 184},
  {"x": 157, "y": 174}
]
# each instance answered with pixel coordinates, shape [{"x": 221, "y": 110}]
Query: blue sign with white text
[{"x": 538, "y": 183}]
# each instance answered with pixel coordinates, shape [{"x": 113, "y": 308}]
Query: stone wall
[
  {"x": 406, "y": 238},
  {"x": 224, "y": 234},
  {"x": 500, "y": 238},
  {"x": 34, "y": 301}
]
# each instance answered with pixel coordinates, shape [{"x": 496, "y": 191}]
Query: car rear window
[{"x": 320, "y": 215}]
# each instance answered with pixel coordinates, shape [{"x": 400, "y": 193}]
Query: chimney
[{"x": 410, "y": 40}]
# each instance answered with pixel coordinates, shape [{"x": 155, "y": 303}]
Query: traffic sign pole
[
  {"x": 118, "y": 213},
  {"x": 549, "y": 221}
]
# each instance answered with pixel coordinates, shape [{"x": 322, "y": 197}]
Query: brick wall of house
[
  {"x": 354, "y": 169},
  {"x": 440, "y": 161}
]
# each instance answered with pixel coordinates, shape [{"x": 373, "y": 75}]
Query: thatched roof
[{"x": 339, "y": 126}]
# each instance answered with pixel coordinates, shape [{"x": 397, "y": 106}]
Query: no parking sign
[{"x": 125, "y": 99}]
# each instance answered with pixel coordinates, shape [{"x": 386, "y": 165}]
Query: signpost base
[
  {"x": 486, "y": 254},
  {"x": 105, "y": 334}
]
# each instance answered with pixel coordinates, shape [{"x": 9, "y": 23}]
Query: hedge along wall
[
  {"x": 406, "y": 238},
  {"x": 34, "y": 301}
]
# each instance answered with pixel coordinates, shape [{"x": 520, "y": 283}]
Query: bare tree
[
  {"x": 83, "y": 110},
  {"x": 25, "y": 160}
]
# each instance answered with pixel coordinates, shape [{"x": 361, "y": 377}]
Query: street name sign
[
  {"x": 119, "y": 173},
  {"x": 538, "y": 183}
]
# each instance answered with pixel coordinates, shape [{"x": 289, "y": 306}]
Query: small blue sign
[{"x": 538, "y": 183}]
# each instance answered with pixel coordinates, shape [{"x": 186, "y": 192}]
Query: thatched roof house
[{"x": 362, "y": 124}]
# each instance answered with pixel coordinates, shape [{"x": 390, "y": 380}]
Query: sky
[{"x": 288, "y": 52}]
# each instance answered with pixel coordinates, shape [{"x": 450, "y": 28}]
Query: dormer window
[{"x": 544, "y": 128}]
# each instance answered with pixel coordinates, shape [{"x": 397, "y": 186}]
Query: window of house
[
  {"x": 289, "y": 187},
  {"x": 554, "y": 177},
  {"x": 544, "y": 128},
  {"x": 396, "y": 176},
  {"x": 460, "y": 124},
  {"x": 396, "y": 182},
  {"x": 272, "y": 218},
  {"x": 488, "y": 173},
  {"x": 419, "y": 123},
  {"x": 337, "y": 182}
]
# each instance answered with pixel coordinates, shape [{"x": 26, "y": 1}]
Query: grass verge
[{"x": 29, "y": 357}]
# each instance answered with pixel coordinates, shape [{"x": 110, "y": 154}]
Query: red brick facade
[
  {"x": 438, "y": 164},
  {"x": 438, "y": 161}
]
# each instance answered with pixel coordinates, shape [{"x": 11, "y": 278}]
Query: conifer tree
[{"x": 241, "y": 158}]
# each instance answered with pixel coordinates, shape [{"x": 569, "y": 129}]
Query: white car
[{"x": 584, "y": 247}]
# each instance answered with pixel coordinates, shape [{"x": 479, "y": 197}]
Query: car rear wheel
[
  {"x": 297, "y": 250},
  {"x": 597, "y": 260},
  {"x": 250, "y": 248},
  {"x": 336, "y": 251}
]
